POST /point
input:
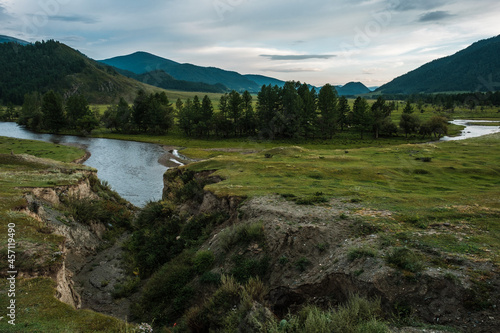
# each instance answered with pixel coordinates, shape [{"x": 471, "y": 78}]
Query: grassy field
[
  {"x": 457, "y": 183},
  {"x": 37, "y": 309}
]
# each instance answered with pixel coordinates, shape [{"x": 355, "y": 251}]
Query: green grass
[
  {"x": 37, "y": 251},
  {"x": 461, "y": 181},
  {"x": 40, "y": 149},
  {"x": 39, "y": 311}
]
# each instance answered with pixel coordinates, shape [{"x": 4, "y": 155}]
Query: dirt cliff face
[
  {"x": 324, "y": 254},
  {"x": 85, "y": 275}
]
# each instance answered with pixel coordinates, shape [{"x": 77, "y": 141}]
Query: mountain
[
  {"x": 43, "y": 66},
  {"x": 352, "y": 89},
  {"x": 143, "y": 62},
  {"x": 262, "y": 80},
  {"x": 7, "y": 39},
  {"x": 476, "y": 68},
  {"x": 159, "y": 78}
]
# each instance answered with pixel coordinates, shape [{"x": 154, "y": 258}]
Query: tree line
[{"x": 294, "y": 111}]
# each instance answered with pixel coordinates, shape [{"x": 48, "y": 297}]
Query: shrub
[
  {"x": 361, "y": 252},
  {"x": 302, "y": 264},
  {"x": 241, "y": 234},
  {"x": 203, "y": 261},
  {"x": 405, "y": 259},
  {"x": 126, "y": 288},
  {"x": 167, "y": 295},
  {"x": 210, "y": 278},
  {"x": 245, "y": 268}
]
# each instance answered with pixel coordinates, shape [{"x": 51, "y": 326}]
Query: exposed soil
[
  {"x": 309, "y": 246},
  {"x": 96, "y": 281}
]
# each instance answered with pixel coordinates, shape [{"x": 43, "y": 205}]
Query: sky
[{"x": 313, "y": 41}]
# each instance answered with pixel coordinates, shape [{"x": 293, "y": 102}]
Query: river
[
  {"x": 131, "y": 168},
  {"x": 472, "y": 129}
]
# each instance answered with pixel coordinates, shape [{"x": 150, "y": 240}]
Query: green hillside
[
  {"x": 159, "y": 78},
  {"x": 43, "y": 66},
  {"x": 475, "y": 68},
  {"x": 142, "y": 62},
  {"x": 8, "y": 39}
]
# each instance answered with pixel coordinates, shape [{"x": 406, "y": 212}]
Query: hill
[
  {"x": 159, "y": 78},
  {"x": 352, "y": 89},
  {"x": 262, "y": 80},
  {"x": 7, "y": 39},
  {"x": 143, "y": 62},
  {"x": 475, "y": 68},
  {"x": 43, "y": 66}
]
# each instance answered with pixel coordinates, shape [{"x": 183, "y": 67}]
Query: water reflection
[{"x": 131, "y": 168}]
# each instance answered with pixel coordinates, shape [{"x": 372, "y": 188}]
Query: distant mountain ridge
[
  {"x": 159, "y": 78},
  {"x": 143, "y": 62},
  {"x": 8, "y": 39},
  {"x": 352, "y": 89},
  {"x": 475, "y": 68}
]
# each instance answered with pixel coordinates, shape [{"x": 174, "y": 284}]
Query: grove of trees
[{"x": 294, "y": 111}]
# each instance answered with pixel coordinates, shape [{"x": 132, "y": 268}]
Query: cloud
[
  {"x": 74, "y": 19},
  {"x": 418, "y": 5},
  {"x": 291, "y": 70},
  {"x": 298, "y": 57},
  {"x": 434, "y": 16}
]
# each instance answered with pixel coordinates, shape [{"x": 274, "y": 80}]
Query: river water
[
  {"x": 131, "y": 168},
  {"x": 472, "y": 129}
]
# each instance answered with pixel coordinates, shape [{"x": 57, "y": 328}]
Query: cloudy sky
[{"x": 314, "y": 41}]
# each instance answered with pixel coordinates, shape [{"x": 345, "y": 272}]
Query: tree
[
  {"x": 53, "y": 114},
  {"x": 437, "y": 125},
  {"x": 185, "y": 118},
  {"x": 360, "y": 115},
  {"x": 123, "y": 115},
  {"x": 289, "y": 120},
  {"x": 409, "y": 122},
  {"x": 268, "y": 104},
  {"x": 249, "y": 121},
  {"x": 31, "y": 114},
  {"x": 205, "y": 120},
  {"x": 343, "y": 111},
  {"x": 222, "y": 124},
  {"x": 380, "y": 116},
  {"x": 327, "y": 105},
  {"x": 235, "y": 109},
  {"x": 77, "y": 107},
  {"x": 309, "y": 116},
  {"x": 140, "y": 110}
]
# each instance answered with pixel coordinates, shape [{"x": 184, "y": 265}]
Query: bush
[
  {"x": 405, "y": 259},
  {"x": 203, "y": 261},
  {"x": 357, "y": 316},
  {"x": 126, "y": 288},
  {"x": 167, "y": 295},
  {"x": 245, "y": 268},
  {"x": 357, "y": 253},
  {"x": 210, "y": 278},
  {"x": 241, "y": 234},
  {"x": 302, "y": 264}
]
